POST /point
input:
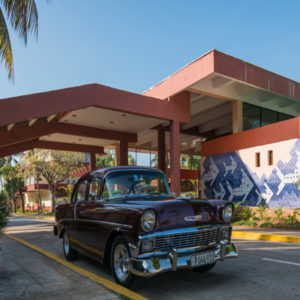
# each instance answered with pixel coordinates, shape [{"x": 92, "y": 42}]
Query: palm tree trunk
[
  {"x": 15, "y": 204},
  {"x": 52, "y": 192}
]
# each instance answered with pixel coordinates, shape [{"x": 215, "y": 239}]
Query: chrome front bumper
[{"x": 150, "y": 266}]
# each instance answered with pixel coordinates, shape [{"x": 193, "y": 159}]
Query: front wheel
[
  {"x": 69, "y": 252},
  {"x": 203, "y": 269},
  {"x": 119, "y": 262}
]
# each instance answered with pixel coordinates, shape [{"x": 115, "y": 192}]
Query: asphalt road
[{"x": 264, "y": 270}]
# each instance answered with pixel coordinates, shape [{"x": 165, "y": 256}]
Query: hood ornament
[{"x": 193, "y": 218}]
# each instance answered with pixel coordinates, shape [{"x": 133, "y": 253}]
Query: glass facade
[{"x": 255, "y": 116}]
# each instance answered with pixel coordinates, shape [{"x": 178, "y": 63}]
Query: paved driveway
[{"x": 264, "y": 270}]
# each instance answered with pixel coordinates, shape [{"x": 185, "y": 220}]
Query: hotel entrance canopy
[
  {"x": 202, "y": 101},
  {"x": 85, "y": 119}
]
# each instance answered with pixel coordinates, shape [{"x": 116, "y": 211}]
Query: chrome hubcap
[
  {"x": 66, "y": 243},
  {"x": 121, "y": 261}
]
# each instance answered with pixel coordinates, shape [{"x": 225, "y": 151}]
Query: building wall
[
  {"x": 235, "y": 176},
  {"x": 31, "y": 199}
]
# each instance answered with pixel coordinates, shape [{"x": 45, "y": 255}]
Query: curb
[
  {"x": 104, "y": 282},
  {"x": 266, "y": 237},
  {"x": 35, "y": 217}
]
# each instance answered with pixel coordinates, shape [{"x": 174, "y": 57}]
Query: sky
[{"x": 134, "y": 44}]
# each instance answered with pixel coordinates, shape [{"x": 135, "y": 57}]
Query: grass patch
[
  {"x": 267, "y": 224},
  {"x": 239, "y": 223},
  {"x": 250, "y": 223}
]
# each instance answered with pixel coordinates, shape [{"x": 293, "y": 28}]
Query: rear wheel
[
  {"x": 69, "y": 252},
  {"x": 119, "y": 262},
  {"x": 203, "y": 269}
]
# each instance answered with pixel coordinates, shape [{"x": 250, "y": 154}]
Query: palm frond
[
  {"x": 5, "y": 47},
  {"x": 23, "y": 16}
]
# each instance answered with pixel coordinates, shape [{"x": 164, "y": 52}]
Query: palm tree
[{"x": 23, "y": 17}]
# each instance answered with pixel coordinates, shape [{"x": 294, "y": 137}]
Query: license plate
[{"x": 203, "y": 259}]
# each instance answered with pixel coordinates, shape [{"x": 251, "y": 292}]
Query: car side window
[
  {"x": 80, "y": 193},
  {"x": 94, "y": 189}
]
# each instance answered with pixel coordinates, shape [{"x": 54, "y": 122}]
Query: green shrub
[
  {"x": 278, "y": 213},
  {"x": 292, "y": 219},
  {"x": 239, "y": 223},
  {"x": 267, "y": 224},
  {"x": 4, "y": 211},
  {"x": 237, "y": 212},
  {"x": 261, "y": 211},
  {"x": 250, "y": 223},
  {"x": 246, "y": 213}
]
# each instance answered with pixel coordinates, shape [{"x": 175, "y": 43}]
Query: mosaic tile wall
[{"x": 226, "y": 176}]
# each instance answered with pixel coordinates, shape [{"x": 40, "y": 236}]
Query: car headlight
[
  {"x": 148, "y": 220},
  {"x": 227, "y": 213}
]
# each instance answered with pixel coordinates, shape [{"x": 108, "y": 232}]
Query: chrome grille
[{"x": 189, "y": 239}]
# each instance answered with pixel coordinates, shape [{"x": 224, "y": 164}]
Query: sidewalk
[
  {"x": 26, "y": 274},
  {"x": 35, "y": 216}
]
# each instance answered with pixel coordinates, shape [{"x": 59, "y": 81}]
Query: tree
[
  {"x": 4, "y": 211},
  {"x": 13, "y": 180},
  {"x": 23, "y": 17},
  {"x": 154, "y": 161},
  {"x": 54, "y": 166},
  {"x": 105, "y": 160},
  {"x": 131, "y": 160}
]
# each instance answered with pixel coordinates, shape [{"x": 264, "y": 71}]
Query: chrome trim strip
[
  {"x": 98, "y": 222},
  {"x": 185, "y": 230}
]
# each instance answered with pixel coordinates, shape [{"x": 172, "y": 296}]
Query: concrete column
[
  {"x": 175, "y": 156},
  {"x": 161, "y": 144},
  {"x": 92, "y": 163},
  {"x": 237, "y": 116},
  {"x": 123, "y": 153}
]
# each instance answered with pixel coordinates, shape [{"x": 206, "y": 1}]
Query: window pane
[
  {"x": 132, "y": 183},
  {"x": 81, "y": 191},
  {"x": 251, "y": 116},
  {"x": 94, "y": 189},
  {"x": 268, "y": 116},
  {"x": 283, "y": 117},
  {"x": 257, "y": 159}
]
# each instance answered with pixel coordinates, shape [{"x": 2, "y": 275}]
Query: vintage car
[{"x": 127, "y": 217}]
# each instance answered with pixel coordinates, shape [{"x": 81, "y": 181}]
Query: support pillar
[
  {"x": 92, "y": 163},
  {"x": 123, "y": 153},
  {"x": 161, "y": 144},
  {"x": 237, "y": 116},
  {"x": 175, "y": 156}
]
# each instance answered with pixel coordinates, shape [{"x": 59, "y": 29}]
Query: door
[
  {"x": 90, "y": 227},
  {"x": 79, "y": 195}
]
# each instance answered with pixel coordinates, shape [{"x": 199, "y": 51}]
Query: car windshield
[{"x": 134, "y": 183}]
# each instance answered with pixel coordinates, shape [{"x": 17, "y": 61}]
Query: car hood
[{"x": 178, "y": 213}]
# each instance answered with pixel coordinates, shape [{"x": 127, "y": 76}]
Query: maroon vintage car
[{"x": 126, "y": 216}]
